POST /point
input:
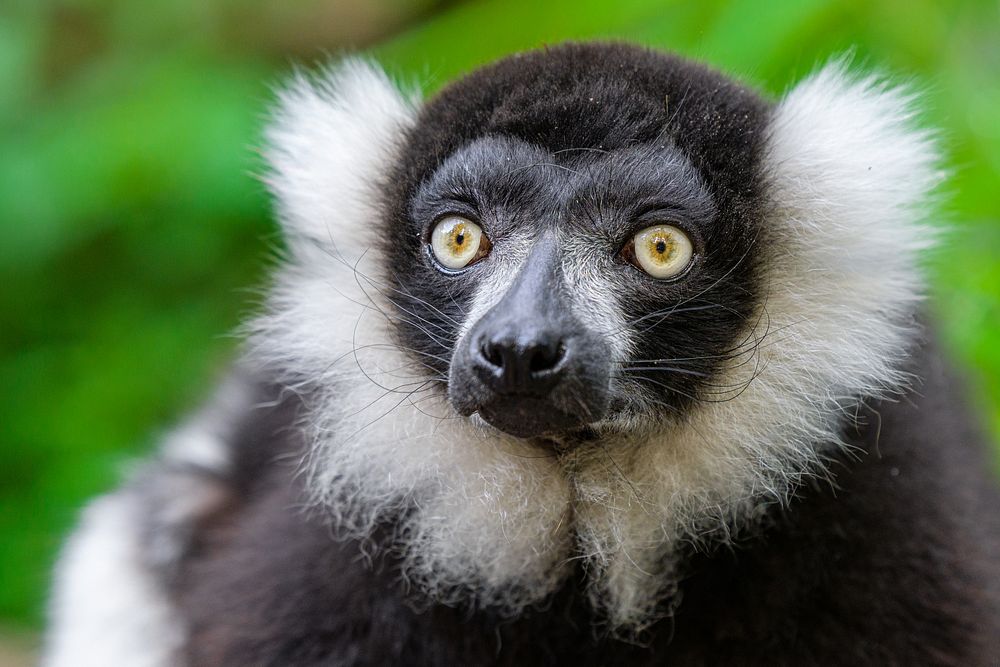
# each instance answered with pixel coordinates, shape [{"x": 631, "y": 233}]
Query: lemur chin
[{"x": 595, "y": 357}]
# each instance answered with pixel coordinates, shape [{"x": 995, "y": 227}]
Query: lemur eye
[
  {"x": 662, "y": 251},
  {"x": 458, "y": 242}
]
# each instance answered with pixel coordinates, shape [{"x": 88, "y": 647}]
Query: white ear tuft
[
  {"x": 847, "y": 150},
  {"x": 851, "y": 174},
  {"x": 332, "y": 140}
]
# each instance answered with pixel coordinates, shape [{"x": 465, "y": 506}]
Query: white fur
[
  {"x": 491, "y": 518},
  {"x": 327, "y": 146},
  {"x": 201, "y": 441},
  {"x": 108, "y": 606}
]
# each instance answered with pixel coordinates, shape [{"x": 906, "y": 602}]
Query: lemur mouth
[
  {"x": 553, "y": 440},
  {"x": 548, "y": 444},
  {"x": 533, "y": 417},
  {"x": 561, "y": 442}
]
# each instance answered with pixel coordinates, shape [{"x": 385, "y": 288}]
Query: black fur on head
[{"x": 595, "y": 141}]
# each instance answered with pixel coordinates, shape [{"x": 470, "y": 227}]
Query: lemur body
[{"x": 595, "y": 358}]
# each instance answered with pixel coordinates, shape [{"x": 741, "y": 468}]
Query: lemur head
[
  {"x": 587, "y": 304},
  {"x": 581, "y": 247}
]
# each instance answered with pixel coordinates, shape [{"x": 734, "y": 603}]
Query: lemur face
[
  {"x": 570, "y": 269},
  {"x": 585, "y": 309},
  {"x": 597, "y": 280}
]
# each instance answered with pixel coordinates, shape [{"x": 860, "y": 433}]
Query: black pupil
[
  {"x": 661, "y": 247},
  {"x": 459, "y": 239}
]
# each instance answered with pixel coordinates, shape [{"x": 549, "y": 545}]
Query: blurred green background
[{"x": 132, "y": 229}]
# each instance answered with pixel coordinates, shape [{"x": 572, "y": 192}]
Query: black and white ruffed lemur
[{"x": 597, "y": 357}]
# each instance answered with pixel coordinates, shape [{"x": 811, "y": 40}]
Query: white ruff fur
[
  {"x": 493, "y": 520},
  {"x": 108, "y": 605},
  {"x": 108, "y": 608}
]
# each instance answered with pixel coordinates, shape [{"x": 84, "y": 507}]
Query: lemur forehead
[
  {"x": 601, "y": 97},
  {"x": 596, "y": 188}
]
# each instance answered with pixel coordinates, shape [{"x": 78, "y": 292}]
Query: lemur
[{"x": 596, "y": 357}]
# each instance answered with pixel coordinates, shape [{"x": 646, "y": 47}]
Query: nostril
[
  {"x": 545, "y": 358},
  {"x": 491, "y": 353}
]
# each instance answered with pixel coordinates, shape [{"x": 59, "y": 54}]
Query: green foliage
[{"x": 132, "y": 227}]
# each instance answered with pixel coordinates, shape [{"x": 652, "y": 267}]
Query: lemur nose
[
  {"x": 520, "y": 364},
  {"x": 529, "y": 367}
]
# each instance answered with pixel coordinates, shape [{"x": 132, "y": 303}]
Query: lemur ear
[
  {"x": 330, "y": 143},
  {"x": 850, "y": 176},
  {"x": 847, "y": 155}
]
